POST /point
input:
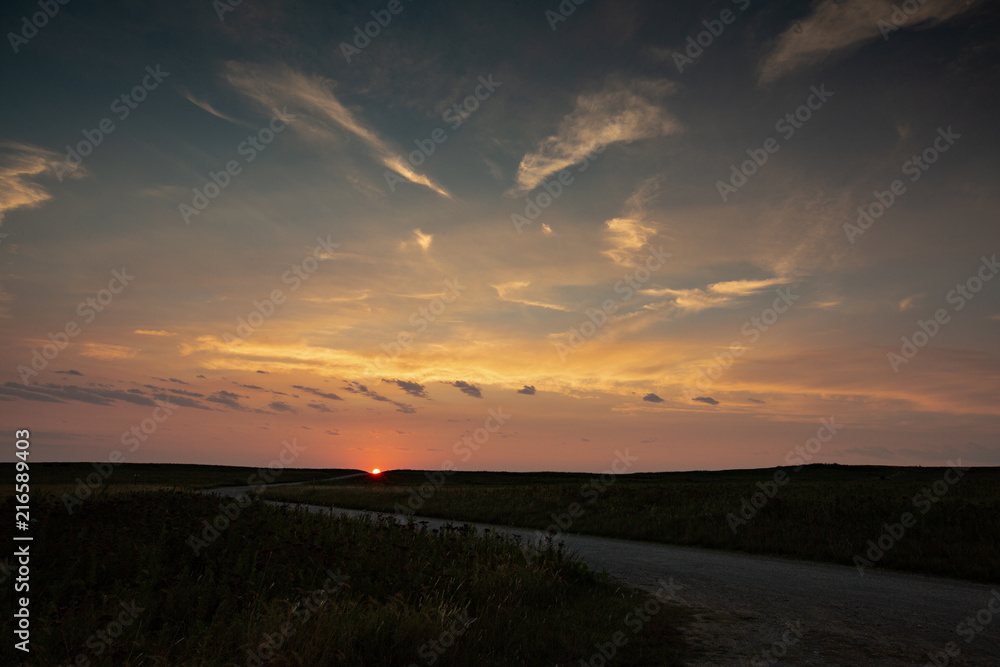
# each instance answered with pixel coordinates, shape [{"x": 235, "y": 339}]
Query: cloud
[
  {"x": 317, "y": 392},
  {"x": 466, "y": 388},
  {"x": 716, "y": 295},
  {"x": 358, "y": 388},
  {"x": 627, "y": 234},
  {"x": 108, "y": 352},
  {"x": 705, "y": 399},
  {"x": 511, "y": 291},
  {"x": 56, "y": 393},
  {"x": 652, "y": 398},
  {"x": 754, "y": 400},
  {"x": 281, "y": 406},
  {"x": 69, "y": 372},
  {"x": 835, "y": 25},
  {"x": 320, "y": 407},
  {"x": 910, "y": 302},
  {"x": 32, "y": 394},
  {"x": 528, "y": 389},
  {"x": 619, "y": 113},
  {"x": 19, "y": 165},
  {"x": 319, "y": 115},
  {"x": 412, "y": 388},
  {"x": 184, "y": 392},
  {"x": 205, "y": 106},
  {"x": 183, "y": 401},
  {"x": 227, "y": 398},
  {"x": 150, "y": 332},
  {"x": 423, "y": 240}
]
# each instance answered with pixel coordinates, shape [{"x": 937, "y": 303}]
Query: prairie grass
[
  {"x": 403, "y": 587},
  {"x": 824, "y": 513}
]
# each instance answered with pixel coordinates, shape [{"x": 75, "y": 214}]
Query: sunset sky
[{"x": 294, "y": 231}]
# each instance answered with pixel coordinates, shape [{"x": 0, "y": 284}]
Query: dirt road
[{"x": 752, "y": 608}]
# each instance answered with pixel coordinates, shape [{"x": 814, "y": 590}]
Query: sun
[{"x": 376, "y": 471}]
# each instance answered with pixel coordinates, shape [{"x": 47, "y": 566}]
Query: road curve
[{"x": 752, "y": 608}]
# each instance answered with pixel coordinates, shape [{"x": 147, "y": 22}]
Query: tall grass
[
  {"x": 404, "y": 587},
  {"x": 825, "y": 513}
]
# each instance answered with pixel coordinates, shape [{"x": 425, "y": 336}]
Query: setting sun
[{"x": 376, "y": 471}]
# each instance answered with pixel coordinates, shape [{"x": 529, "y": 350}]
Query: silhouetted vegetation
[
  {"x": 118, "y": 583},
  {"x": 823, "y": 512}
]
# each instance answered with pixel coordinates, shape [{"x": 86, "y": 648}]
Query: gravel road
[{"x": 751, "y": 608}]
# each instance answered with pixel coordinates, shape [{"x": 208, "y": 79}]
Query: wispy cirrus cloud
[
  {"x": 627, "y": 234},
  {"x": 716, "y": 295},
  {"x": 620, "y": 113},
  {"x": 514, "y": 293},
  {"x": 20, "y": 164},
  {"x": 835, "y": 25},
  {"x": 319, "y": 115},
  {"x": 205, "y": 106}
]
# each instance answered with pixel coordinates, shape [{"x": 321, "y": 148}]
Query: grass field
[
  {"x": 821, "y": 512},
  {"x": 119, "y": 582}
]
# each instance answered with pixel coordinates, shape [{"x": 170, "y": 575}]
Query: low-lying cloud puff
[{"x": 466, "y": 388}]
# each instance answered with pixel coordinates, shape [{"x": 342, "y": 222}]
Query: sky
[{"x": 501, "y": 236}]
